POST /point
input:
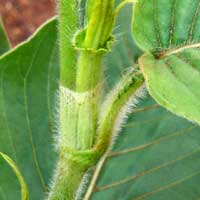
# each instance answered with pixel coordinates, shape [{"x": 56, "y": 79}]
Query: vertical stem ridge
[{"x": 68, "y": 23}]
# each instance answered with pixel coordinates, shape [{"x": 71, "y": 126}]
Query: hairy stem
[
  {"x": 71, "y": 168},
  {"x": 65, "y": 188},
  {"x": 69, "y": 174},
  {"x": 80, "y": 104},
  {"x": 81, "y": 143},
  {"x": 116, "y": 101}
]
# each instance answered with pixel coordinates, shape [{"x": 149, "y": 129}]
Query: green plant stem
[
  {"x": 100, "y": 24},
  {"x": 71, "y": 168},
  {"x": 67, "y": 180},
  {"x": 89, "y": 68},
  {"x": 68, "y": 23},
  {"x": 90, "y": 5},
  {"x": 89, "y": 72},
  {"x": 79, "y": 120},
  {"x": 116, "y": 101},
  {"x": 79, "y": 110}
]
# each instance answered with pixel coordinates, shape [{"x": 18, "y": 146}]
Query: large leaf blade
[
  {"x": 154, "y": 157},
  {"x": 170, "y": 30},
  {"x": 29, "y": 81}
]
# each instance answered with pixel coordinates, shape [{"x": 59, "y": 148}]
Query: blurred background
[{"x": 22, "y": 17}]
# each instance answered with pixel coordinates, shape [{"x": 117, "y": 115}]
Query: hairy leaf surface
[
  {"x": 28, "y": 84},
  {"x": 169, "y": 29}
]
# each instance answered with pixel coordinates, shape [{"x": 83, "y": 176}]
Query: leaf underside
[
  {"x": 29, "y": 78},
  {"x": 169, "y": 29}
]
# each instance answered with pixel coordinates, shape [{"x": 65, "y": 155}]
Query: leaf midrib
[
  {"x": 178, "y": 50},
  {"x": 158, "y": 141}
]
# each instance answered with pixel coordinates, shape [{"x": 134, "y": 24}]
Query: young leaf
[
  {"x": 169, "y": 29},
  {"x": 4, "y": 43},
  {"x": 29, "y": 76},
  {"x": 174, "y": 82}
]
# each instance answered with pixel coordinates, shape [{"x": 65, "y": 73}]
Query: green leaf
[
  {"x": 29, "y": 76},
  {"x": 4, "y": 43},
  {"x": 156, "y": 155},
  {"x": 175, "y": 81},
  {"x": 169, "y": 29}
]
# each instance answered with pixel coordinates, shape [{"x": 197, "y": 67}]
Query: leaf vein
[
  {"x": 28, "y": 118},
  {"x": 172, "y": 184},
  {"x": 193, "y": 24},
  {"x": 155, "y": 142},
  {"x": 171, "y": 33},
  {"x": 148, "y": 171},
  {"x": 6, "y": 117},
  {"x": 147, "y": 108},
  {"x": 156, "y": 25}
]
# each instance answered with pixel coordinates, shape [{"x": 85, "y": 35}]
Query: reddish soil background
[{"x": 22, "y": 17}]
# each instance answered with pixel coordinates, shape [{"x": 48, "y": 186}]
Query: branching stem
[
  {"x": 79, "y": 146},
  {"x": 116, "y": 101}
]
